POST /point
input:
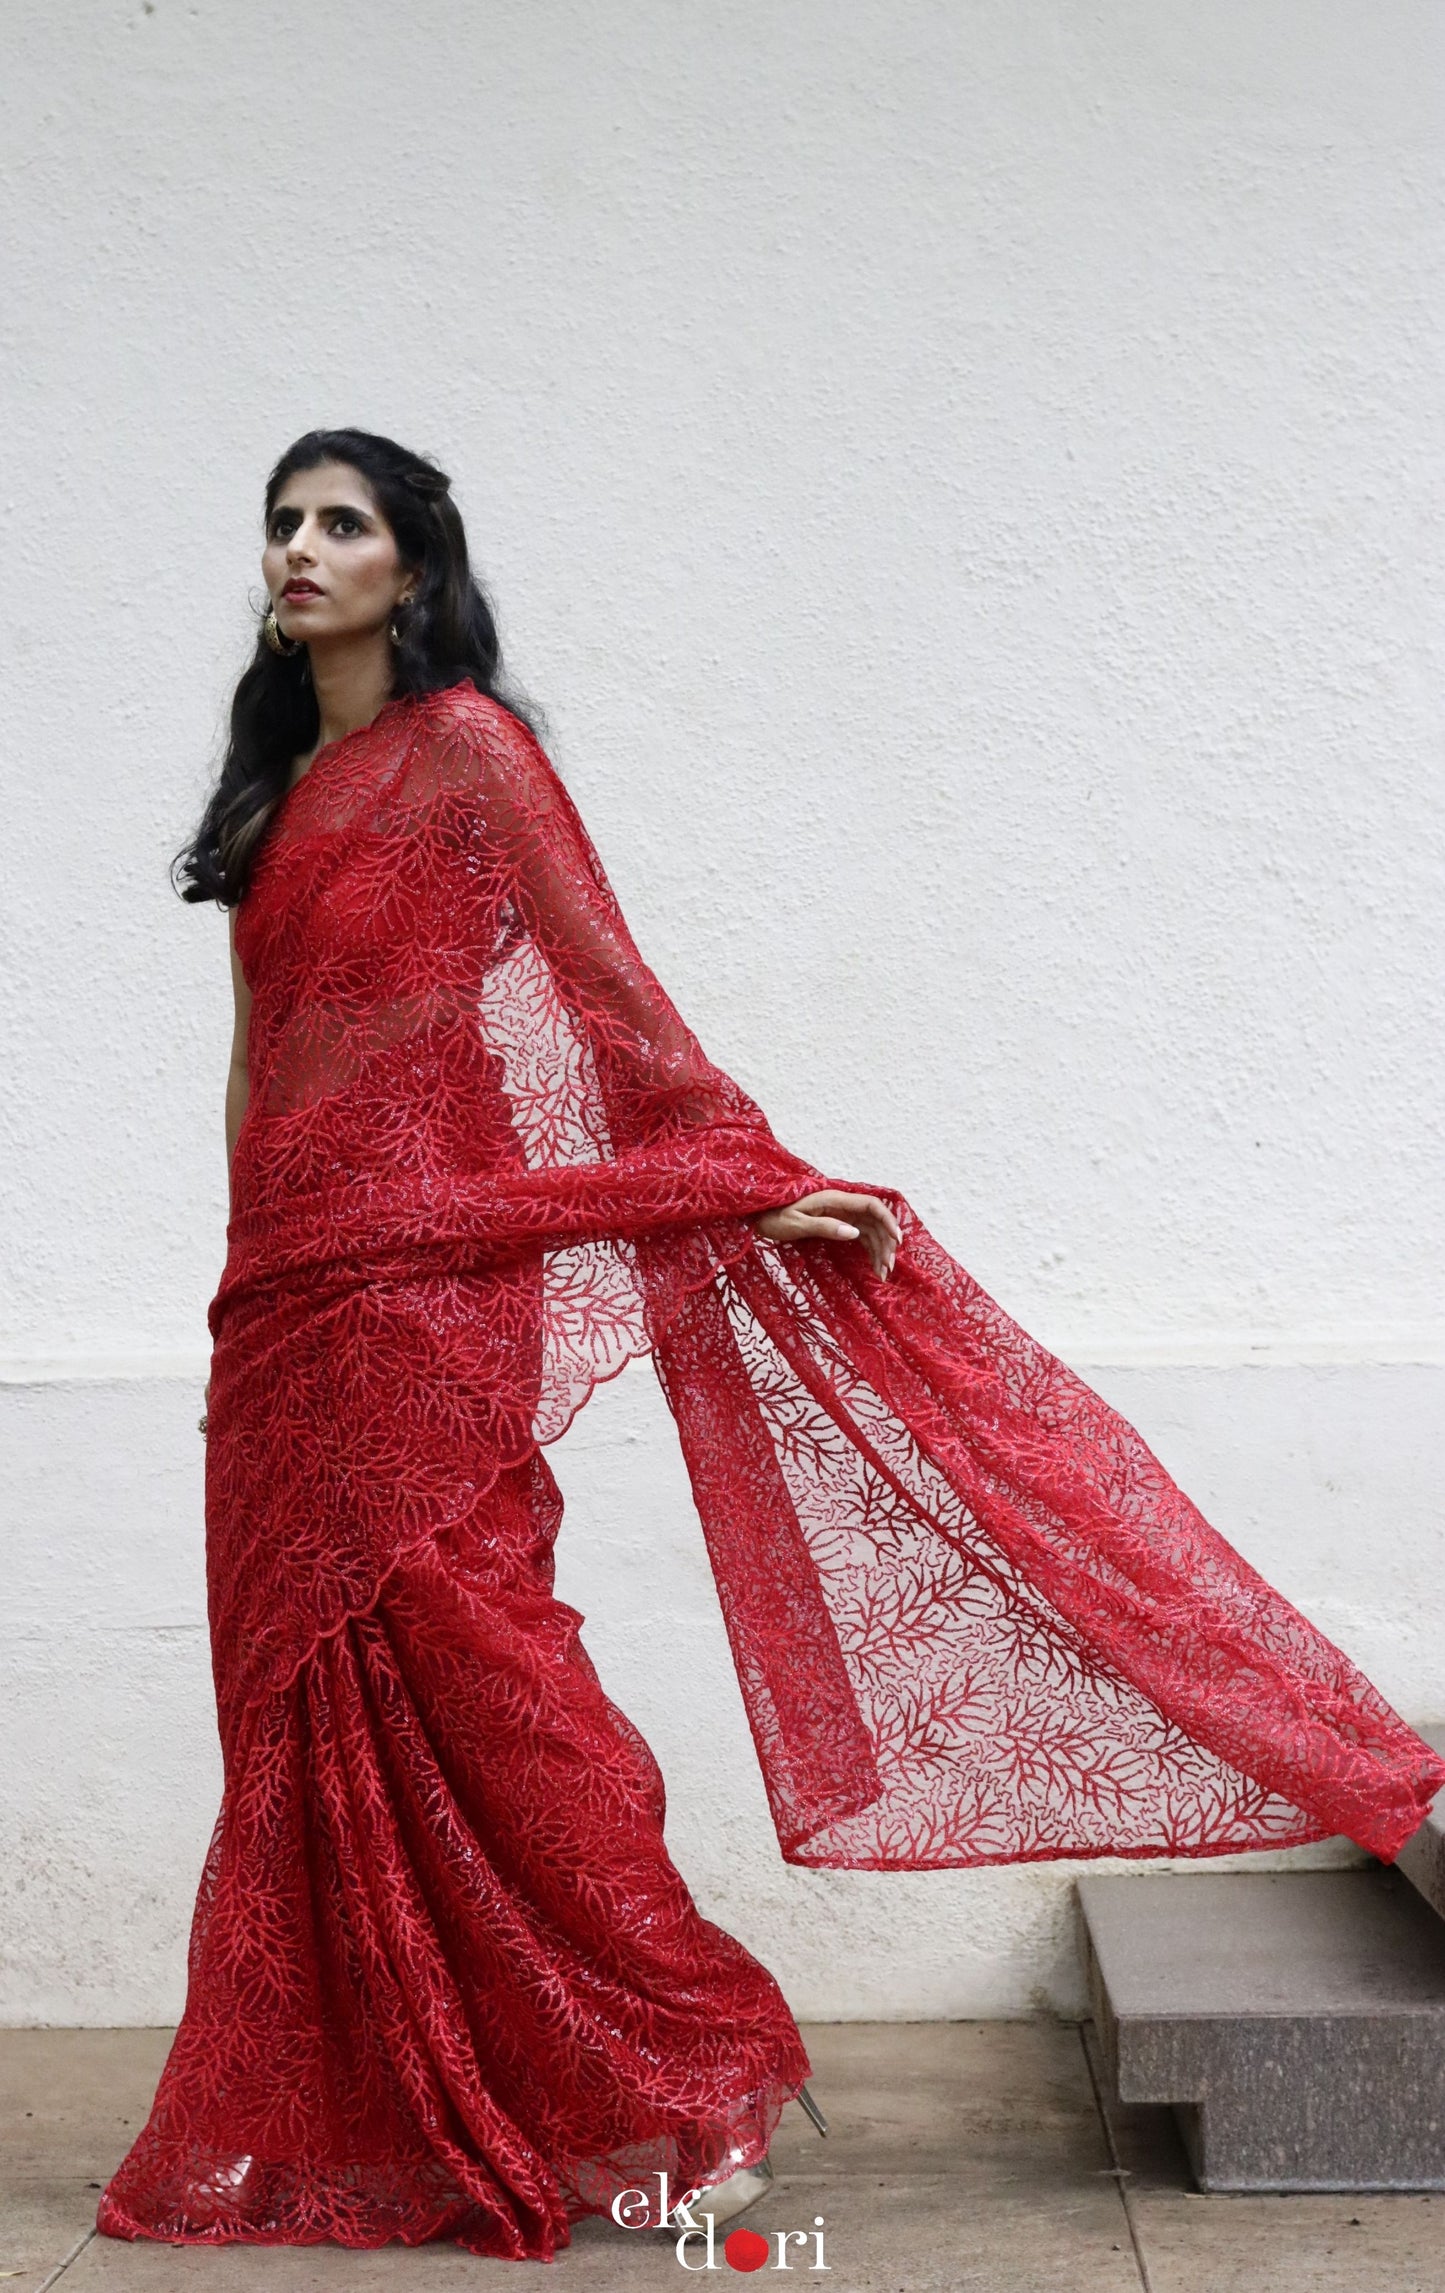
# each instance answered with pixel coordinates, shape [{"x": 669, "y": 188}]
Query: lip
[{"x": 300, "y": 590}]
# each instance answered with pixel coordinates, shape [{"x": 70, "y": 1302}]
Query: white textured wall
[{"x": 960, "y": 476}]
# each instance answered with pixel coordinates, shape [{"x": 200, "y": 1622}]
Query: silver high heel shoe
[{"x": 725, "y": 2200}]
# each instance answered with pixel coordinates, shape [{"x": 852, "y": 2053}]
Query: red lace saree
[{"x": 444, "y": 1980}]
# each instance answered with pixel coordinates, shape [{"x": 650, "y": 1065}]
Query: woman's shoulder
[
  {"x": 472, "y": 741},
  {"x": 471, "y": 724},
  {"x": 462, "y": 708}
]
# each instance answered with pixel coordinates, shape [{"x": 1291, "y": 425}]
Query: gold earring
[
  {"x": 397, "y": 635},
  {"x": 271, "y": 631}
]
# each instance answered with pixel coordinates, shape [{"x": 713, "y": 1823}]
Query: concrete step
[
  {"x": 1295, "y": 2021},
  {"x": 1422, "y": 1858}
]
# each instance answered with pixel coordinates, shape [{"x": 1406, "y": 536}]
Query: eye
[
  {"x": 282, "y": 523},
  {"x": 345, "y": 522}
]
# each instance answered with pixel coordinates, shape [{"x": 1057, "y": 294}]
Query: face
[{"x": 330, "y": 561}]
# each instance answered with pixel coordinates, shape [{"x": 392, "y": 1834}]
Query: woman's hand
[{"x": 833, "y": 1216}]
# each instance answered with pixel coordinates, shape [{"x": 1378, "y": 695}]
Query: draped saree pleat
[{"x": 444, "y": 1979}]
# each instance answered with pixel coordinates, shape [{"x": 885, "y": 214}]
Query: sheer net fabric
[
  {"x": 444, "y": 1979},
  {"x": 485, "y": 1163}
]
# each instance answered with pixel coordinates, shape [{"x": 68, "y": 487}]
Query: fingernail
[{"x": 850, "y": 1231}]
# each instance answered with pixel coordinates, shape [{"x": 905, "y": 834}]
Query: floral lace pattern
[{"x": 444, "y": 1980}]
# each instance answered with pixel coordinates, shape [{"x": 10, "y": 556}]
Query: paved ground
[{"x": 966, "y": 2155}]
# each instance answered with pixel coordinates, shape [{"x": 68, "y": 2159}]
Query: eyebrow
[{"x": 330, "y": 510}]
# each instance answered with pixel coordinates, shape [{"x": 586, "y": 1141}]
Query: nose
[{"x": 300, "y": 546}]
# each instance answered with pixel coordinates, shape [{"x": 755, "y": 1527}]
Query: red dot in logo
[{"x": 746, "y": 2250}]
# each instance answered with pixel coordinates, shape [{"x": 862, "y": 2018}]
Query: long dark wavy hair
[{"x": 448, "y": 633}]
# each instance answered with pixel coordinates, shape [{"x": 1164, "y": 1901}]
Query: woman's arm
[
  {"x": 238, "y": 1080},
  {"x": 654, "y": 1073},
  {"x": 833, "y": 1216}
]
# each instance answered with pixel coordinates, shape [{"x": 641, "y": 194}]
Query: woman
[{"x": 444, "y": 1980}]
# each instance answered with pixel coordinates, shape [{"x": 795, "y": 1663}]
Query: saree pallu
[{"x": 484, "y": 1164}]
